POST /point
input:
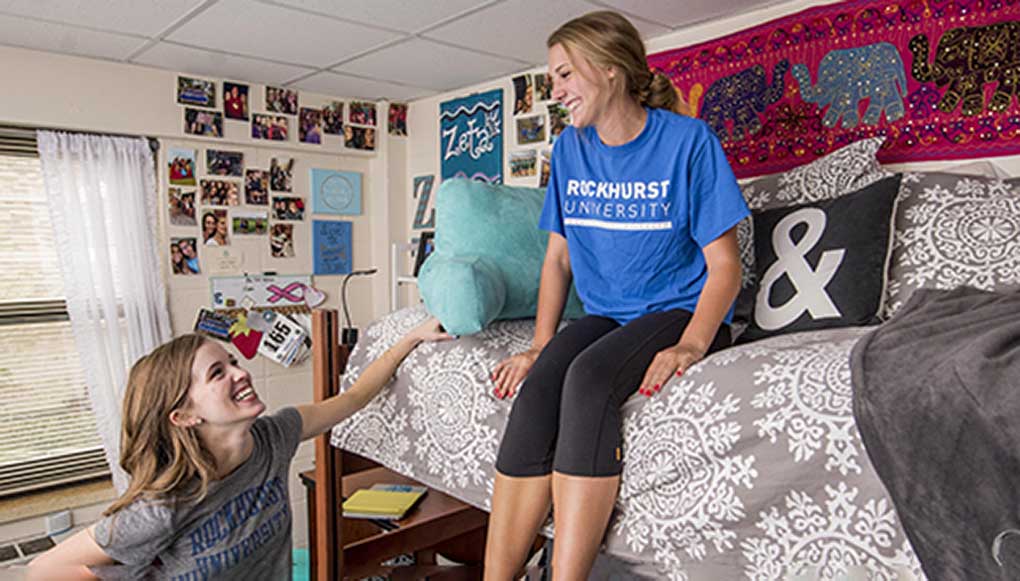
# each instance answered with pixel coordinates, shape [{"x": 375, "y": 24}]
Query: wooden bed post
[{"x": 328, "y": 552}]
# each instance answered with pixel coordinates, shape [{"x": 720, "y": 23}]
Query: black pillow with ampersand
[{"x": 823, "y": 265}]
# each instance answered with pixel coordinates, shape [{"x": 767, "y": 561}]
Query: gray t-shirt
[{"x": 240, "y": 530}]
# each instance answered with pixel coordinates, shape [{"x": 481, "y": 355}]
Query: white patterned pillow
[
  {"x": 841, "y": 172},
  {"x": 953, "y": 231}
]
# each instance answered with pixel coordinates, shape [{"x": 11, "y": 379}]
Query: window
[{"x": 47, "y": 430}]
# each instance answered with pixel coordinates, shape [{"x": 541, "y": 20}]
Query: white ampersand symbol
[{"x": 809, "y": 284}]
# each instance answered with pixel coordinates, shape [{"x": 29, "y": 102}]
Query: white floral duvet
[{"x": 750, "y": 466}]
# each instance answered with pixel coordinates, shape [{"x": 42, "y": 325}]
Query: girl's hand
[
  {"x": 430, "y": 330},
  {"x": 675, "y": 359},
  {"x": 510, "y": 372}
]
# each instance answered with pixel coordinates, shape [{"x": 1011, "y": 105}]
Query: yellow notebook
[{"x": 384, "y": 504}]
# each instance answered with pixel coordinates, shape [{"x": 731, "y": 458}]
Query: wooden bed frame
[{"x": 348, "y": 548}]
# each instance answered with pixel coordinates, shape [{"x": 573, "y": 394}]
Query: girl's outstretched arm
[
  {"x": 319, "y": 417},
  {"x": 69, "y": 560}
]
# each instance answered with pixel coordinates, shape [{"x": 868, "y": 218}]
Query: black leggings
[{"x": 567, "y": 414}]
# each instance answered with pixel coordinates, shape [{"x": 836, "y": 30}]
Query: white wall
[{"x": 62, "y": 92}]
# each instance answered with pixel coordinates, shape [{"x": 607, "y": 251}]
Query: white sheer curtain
[{"x": 102, "y": 198}]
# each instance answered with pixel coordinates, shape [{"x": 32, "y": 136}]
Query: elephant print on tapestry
[
  {"x": 968, "y": 58},
  {"x": 740, "y": 98},
  {"x": 848, "y": 76}
]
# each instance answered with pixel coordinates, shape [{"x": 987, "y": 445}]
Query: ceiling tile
[
  {"x": 399, "y": 15},
  {"x": 329, "y": 83},
  {"x": 424, "y": 63},
  {"x": 128, "y": 16},
  {"x": 679, "y": 14},
  {"x": 519, "y": 28},
  {"x": 27, "y": 33},
  {"x": 276, "y": 33},
  {"x": 195, "y": 61}
]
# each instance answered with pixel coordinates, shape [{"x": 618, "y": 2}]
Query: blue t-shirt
[{"x": 636, "y": 216}]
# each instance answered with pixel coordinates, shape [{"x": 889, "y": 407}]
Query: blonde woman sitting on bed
[
  {"x": 642, "y": 209},
  {"x": 208, "y": 495}
]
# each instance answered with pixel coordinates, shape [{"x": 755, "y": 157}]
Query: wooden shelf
[{"x": 437, "y": 519}]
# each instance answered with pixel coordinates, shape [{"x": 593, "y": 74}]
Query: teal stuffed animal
[{"x": 488, "y": 256}]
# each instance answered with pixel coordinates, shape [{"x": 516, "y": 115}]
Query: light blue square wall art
[{"x": 336, "y": 192}]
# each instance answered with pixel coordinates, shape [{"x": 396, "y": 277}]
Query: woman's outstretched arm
[{"x": 316, "y": 418}]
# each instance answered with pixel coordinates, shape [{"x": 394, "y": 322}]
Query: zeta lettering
[{"x": 476, "y": 140}]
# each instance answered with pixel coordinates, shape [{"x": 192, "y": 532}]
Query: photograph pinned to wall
[
  {"x": 184, "y": 256},
  {"x": 281, "y": 241},
  {"x": 543, "y": 87},
  {"x": 523, "y": 97},
  {"x": 256, "y": 187},
  {"x": 288, "y": 208},
  {"x": 331, "y": 247},
  {"x": 530, "y": 129},
  {"x": 249, "y": 222},
  {"x": 425, "y": 213},
  {"x": 471, "y": 137},
  {"x": 362, "y": 138},
  {"x": 204, "y": 123},
  {"x": 333, "y": 118},
  {"x": 281, "y": 174},
  {"x": 336, "y": 192},
  {"x": 235, "y": 101},
  {"x": 559, "y": 118},
  {"x": 310, "y": 126},
  {"x": 224, "y": 163},
  {"x": 522, "y": 163},
  {"x": 271, "y": 127},
  {"x": 362, "y": 113},
  {"x": 426, "y": 244},
  {"x": 544, "y": 171},
  {"x": 398, "y": 119},
  {"x": 220, "y": 193},
  {"x": 182, "y": 207},
  {"x": 181, "y": 165},
  {"x": 215, "y": 230},
  {"x": 213, "y": 324},
  {"x": 198, "y": 92},
  {"x": 279, "y": 100}
]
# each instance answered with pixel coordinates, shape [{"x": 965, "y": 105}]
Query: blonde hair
[
  {"x": 608, "y": 39},
  {"x": 162, "y": 459}
]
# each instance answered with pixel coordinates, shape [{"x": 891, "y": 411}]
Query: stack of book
[{"x": 383, "y": 501}]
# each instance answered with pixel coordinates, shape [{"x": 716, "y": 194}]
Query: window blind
[{"x": 47, "y": 430}]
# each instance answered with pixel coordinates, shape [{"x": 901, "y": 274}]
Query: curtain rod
[{"x": 27, "y": 132}]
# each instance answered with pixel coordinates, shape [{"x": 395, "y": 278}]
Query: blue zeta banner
[{"x": 471, "y": 137}]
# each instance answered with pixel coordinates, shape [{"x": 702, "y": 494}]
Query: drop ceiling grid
[{"x": 395, "y": 49}]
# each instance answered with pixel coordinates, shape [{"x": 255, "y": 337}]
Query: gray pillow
[
  {"x": 954, "y": 231},
  {"x": 841, "y": 172}
]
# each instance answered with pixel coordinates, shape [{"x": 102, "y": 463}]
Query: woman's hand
[
  {"x": 676, "y": 359},
  {"x": 430, "y": 330},
  {"x": 510, "y": 372}
]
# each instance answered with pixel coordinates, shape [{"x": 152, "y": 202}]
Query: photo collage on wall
[
  {"x": 538, "y": 121},
  {"x": 284, "y": 116},
  {"x": 215, "y": 205}
]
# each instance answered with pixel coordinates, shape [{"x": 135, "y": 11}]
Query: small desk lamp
[{"x": 349, "y": 335}]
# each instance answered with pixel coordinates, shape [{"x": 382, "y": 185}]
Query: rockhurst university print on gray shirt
[{"x": 241, "y": 530}]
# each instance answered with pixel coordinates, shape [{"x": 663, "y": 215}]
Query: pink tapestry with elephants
[{"x": 939, "y": 78}]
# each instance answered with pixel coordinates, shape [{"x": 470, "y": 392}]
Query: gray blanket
[{"x": 937, "y": 402}]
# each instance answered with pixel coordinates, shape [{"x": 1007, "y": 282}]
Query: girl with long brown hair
[
  {"x": 642, "y": 209},
  {"x": 208, "y": 496}
]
